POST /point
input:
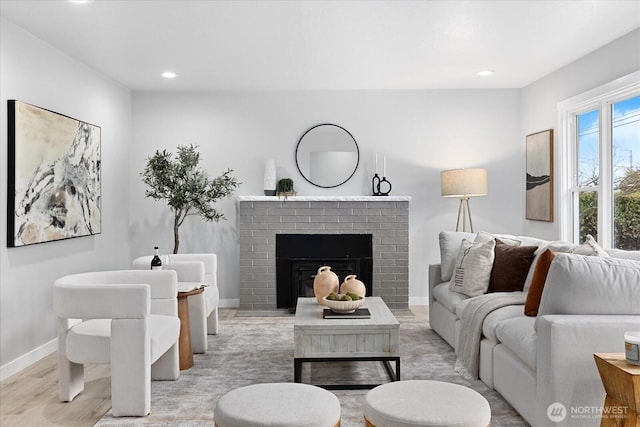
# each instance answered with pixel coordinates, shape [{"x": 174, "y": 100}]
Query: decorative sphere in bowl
[{"x": 342, "y": 307}]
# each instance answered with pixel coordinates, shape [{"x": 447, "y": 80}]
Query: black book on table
[{"x": 360, "y": 313}]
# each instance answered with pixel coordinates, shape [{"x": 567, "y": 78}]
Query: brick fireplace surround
[{"x": 262, "y": 217}]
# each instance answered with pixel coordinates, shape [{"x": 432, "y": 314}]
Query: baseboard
[
  {"x": 418, "y": 300},
  {"x": 28, "y": 359},
  {"x": 229, "y": 303}
]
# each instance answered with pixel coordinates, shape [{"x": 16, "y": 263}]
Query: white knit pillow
[
  {"x": 483, "y": 236},
  {"x": 450, "y": 242},
  {"x": 472, "y": 270},
  {"x": 590, "y": 248},
  {"x": 596, "y": 249}
]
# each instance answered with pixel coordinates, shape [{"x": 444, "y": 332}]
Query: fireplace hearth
[{"x": 298, "y": 257}]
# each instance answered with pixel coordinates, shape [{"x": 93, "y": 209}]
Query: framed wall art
[
  {"x": 539, "y": 184},
  {"x": 54, "y": 176}
]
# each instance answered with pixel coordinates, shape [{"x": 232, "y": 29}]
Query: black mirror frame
[{"x": 354, "y": 169}]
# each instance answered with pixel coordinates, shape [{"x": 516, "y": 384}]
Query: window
[{"x": 600, "y": 158}]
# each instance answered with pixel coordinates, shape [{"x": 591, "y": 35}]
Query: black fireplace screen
[{"x": 298, "y": 257}]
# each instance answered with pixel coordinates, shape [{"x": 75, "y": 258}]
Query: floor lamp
[{"x": 464, "y": 183}]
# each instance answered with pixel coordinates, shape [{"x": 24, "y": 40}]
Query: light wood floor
[{"x": 30, "y": 397}]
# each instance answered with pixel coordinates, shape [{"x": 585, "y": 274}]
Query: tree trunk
[{"x": 176, "y": 237}]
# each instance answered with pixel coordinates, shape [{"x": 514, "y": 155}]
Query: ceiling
[{"x": 325, "y": 45}]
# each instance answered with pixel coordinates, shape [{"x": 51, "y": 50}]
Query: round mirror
[{"x": 327, "y": 155}]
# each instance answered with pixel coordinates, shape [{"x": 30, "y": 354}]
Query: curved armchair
[
  {"x": 128, "y": 319},
  {"x": 203, "y": 308}
]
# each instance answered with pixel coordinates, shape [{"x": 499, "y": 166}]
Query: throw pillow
[
  {"x": 473, "y": 268},
  {"x": 450, "y": 242},
  {"x": 532, "y": 302},
  {"x": 594, "y": 246},
  {"x": 483, "y": 236},
  {"x": 510, "y": 267},
  {"x": 590, "y": 248}
]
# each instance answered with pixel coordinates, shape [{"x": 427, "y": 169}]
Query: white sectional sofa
[{"x": 587, "y": 304}]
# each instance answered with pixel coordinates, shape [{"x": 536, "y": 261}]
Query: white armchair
[
  {"x": 203, "y": 308},
  {"x": 128, "y": 319}
]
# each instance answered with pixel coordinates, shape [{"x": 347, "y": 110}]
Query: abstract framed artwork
[
  {"x": 54, "y": 184},
  {"x": 539, "y": 184}
]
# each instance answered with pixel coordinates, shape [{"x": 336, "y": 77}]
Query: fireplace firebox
[{"x": 298, "y": 257}]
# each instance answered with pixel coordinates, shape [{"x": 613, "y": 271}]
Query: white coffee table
[{"x": 338, "y": 340}]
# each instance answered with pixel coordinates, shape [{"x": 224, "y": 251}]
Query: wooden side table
[
  {"x": 184, "y": 342},
  {"x": 621, "y": 381}
]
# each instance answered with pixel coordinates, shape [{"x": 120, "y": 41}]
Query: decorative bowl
[{"x": 343, "y": 307}]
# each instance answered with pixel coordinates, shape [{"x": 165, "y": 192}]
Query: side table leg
[{"x": 186, "y": 355}]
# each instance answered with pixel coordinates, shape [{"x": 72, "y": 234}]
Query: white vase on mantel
[{"x": 270, "y": 178}]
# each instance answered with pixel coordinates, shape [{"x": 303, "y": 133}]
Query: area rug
[{"x": 251, "y": 350}]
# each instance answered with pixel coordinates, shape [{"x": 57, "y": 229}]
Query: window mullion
[
  {"x": 568, "y": 184},
  {"x": 605, "y": 194}
]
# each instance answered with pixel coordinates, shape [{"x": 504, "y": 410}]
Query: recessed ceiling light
[
  {"x": 169, "y": 75},
  {"x": 80, "y": 1},
  {"x": 485, "y": 73}
]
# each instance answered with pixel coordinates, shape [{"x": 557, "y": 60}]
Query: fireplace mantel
[
  {"x": 261, "y": 218},
  {"x": 324, "y": 199}
]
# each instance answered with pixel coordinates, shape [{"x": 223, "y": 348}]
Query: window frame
[{"x": 601, "y": 98}]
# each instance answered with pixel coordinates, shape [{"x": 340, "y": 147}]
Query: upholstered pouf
[
  {"x": 425, "y": 403},
  {"x": 278, "y": 405}
]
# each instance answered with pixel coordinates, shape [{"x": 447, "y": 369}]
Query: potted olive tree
[{"x": 187, "y": 188}]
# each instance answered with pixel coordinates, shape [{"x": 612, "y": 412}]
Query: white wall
[
  {"x": 420, "y": 133},
  {"x": 34, "y": 72},
  {"x": 540, "y": 103}
]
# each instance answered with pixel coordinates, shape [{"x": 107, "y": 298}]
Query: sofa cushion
[
  {"x": 622, "y": 254},
  {"x": 589, "y": 247},
  {"x": 496, "y": 317},
  {"x": 446, "y": 297},
  {"x": 578, "y": 284},
  {"x": 473, "y": 268},
  {"x": 534, "y": 294},
  {"x": 510, "y": 267},
  {"x": 519, "y": 336},
  {"x": 461, "y": 306},
  {"x": 450, "y": 242},
  {"x": 493, "y": 319}
]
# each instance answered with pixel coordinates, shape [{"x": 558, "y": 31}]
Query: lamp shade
[{"x": 463, "y": 182}]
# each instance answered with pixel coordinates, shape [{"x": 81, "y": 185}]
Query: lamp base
[{"x": 465, "y": 211}]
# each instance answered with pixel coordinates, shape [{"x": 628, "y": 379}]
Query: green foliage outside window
[
  {"x": 627, "y": 226},
  {"x": 588, "y": 215},
  {"x": 626, "y": 204}
]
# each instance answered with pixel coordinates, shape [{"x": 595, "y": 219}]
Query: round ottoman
[
  {"x": 425, "y": 403},
  {"x": 278, "y": 405}
]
